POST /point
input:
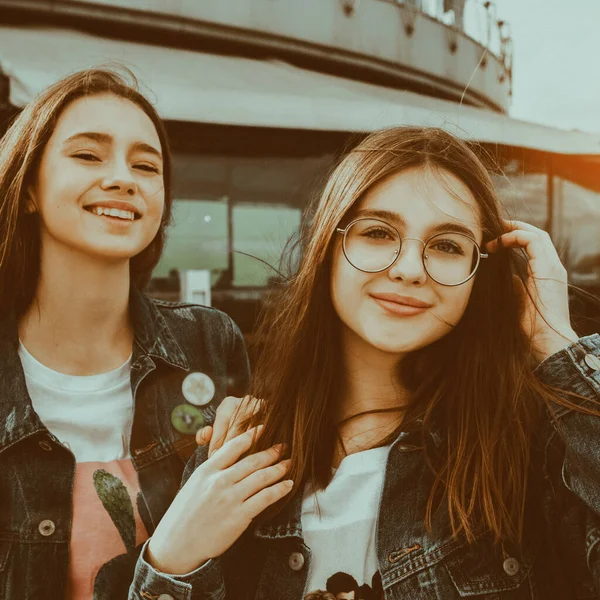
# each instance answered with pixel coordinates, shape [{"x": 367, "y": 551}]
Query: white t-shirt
[
  {"x": 92, "y": 416},
  {"x": 339, "y": 525}
]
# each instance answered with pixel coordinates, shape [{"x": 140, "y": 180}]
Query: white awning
[{"x": 207, "y": 88}]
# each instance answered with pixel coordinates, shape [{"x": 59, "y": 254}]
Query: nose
[
  {"x": 120, "y": 178},
  {"x": 409, "y": 264}
]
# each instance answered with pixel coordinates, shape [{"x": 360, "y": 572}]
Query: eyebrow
[
  {"x": 393, "y": 217},
  {"x": 104, "y": 138}
]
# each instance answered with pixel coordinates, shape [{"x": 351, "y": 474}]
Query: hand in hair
[
  {"x": 545, "y": 298},
  {"x": 217, "y": 504},
  {"x": 231, "y": 420}
]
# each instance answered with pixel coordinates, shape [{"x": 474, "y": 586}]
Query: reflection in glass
[
  {"x": 261, "y": 231},
  {"x": 197, "y": 238}
]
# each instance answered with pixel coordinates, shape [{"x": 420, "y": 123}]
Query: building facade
[{"x": 261, "y": 97}]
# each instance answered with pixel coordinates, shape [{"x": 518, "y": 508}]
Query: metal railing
[{"x": 477, "y": 19}]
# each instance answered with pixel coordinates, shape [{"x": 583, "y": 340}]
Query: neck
[
  {"x": 78, "y": 322},
  {"x": 372, "y": 398}
]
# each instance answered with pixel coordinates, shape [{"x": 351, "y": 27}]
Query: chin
[
  {"x": 113, "y": 253},
  {"x": 117, "y": 246},
  {"x": 402, "y": 342}
]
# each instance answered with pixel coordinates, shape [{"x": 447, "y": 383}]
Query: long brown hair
[
  {"x": 21, "y": 149},
  {"x": 475, "y": 386}
]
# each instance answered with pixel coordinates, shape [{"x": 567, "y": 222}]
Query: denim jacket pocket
[{"x": 484, "y": 569}]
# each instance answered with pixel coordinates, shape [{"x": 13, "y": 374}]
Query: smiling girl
[
  {"x": 94, "y": 433},
  {"x": 439, "y": 413}
]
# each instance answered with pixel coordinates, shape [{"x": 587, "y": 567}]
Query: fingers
[
  {"x": 536, "y": 242},
  {"x": 262, "y": 479},
  {"x": 204, "y": 435},
  {"x": 517, "y": 239},
  {"x": 512, "y": 224},
  {"x": 255, "y": 462},
  {"x": 265, "y": 498},
  {"x": 231, "y": 452},
  {"x": 229, "y": 423},
  {"x": 247, "y": 407},
  {"x": 225, "y": 412}
]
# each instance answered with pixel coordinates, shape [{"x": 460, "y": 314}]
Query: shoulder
[
  {"x": 183, "y": 316},
  {"x": 203, "y": 332}
]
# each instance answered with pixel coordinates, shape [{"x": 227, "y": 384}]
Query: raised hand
[
  {"x": 217, "y": 504},
  {"x": 546, "y": 316},
  {"x": 231, "y": 415}
]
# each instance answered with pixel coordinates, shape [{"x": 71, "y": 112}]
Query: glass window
[
  {"x": 197, "y": 239},
  {"x": 263, "y": 195},
  {"x": 261, "y": 231},
  {"x": 575, "y": 231},
  {"x": 575, "y": 219},
  {"x": 523, "y": 194}
]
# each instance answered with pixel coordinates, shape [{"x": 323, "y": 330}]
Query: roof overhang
[{"x": 205, "y": 88}]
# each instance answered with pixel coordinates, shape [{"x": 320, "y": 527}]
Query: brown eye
[
  {"x": 448, "y": 247},
  {"x": 147, "y": 168},
  {"x": 86, "y": 156}
]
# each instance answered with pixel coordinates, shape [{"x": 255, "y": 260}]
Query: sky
[{"x": 556, "y": 78}]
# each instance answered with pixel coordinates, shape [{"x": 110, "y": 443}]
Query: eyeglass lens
[{"x": 371, "y": 245}]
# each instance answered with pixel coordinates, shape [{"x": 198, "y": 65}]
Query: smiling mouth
[
  {"x": 398, "y": 308},
  {"x": 113, "y": 213}
]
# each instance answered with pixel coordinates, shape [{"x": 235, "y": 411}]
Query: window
[
  {"x": 263, "y": 196},
  {"x": 523, "y": 195},
  {"x": 261, "y": 231},
  {"x": 575, "y": 231},
  {"x": 197, "y": 238}
]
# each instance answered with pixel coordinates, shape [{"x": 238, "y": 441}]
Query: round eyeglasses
[{"x": 371, "y": 245}]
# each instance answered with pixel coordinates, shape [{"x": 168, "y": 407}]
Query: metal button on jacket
[
  {"x": 296, "y": 561},
  {"x": 46, "y": 527},
  {"x": 45, "y": 446},
  {"x": 593, "y": 362},
  {"x": 511, "y": 566}
]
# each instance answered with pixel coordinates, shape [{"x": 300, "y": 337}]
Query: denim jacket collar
[
  {"x": 285, "y": 524},
  {"x": 16, "y": 411},
  {"x": 288, "y": 522},
  {"x": 152, "y": 332},
  {"x": 152, "y": 338}
]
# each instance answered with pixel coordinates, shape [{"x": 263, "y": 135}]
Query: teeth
[{"x": 113, "y": 212}]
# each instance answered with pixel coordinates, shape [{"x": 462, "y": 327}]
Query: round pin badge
[
  {"x": 187, "y": 419},
  {"x": 198, "y": 389}
]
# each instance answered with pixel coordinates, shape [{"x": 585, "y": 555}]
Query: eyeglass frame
[{"x": 480, "y": 254}]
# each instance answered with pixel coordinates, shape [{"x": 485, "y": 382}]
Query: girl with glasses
[
  {"x": 437, "y": 415},
  {"x": 95, "y": 431}
]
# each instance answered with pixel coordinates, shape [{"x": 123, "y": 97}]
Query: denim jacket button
[
  {"x": 593, "y": 362},
  {"x": 46, "y": 527},
  {"x": 511, "y": 566},
  {"x": 296, "y": 561}
]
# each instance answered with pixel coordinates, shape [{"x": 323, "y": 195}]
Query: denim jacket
[
  {"x": 37, "y": 471},
  {"x": 559, "y": 558}
]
